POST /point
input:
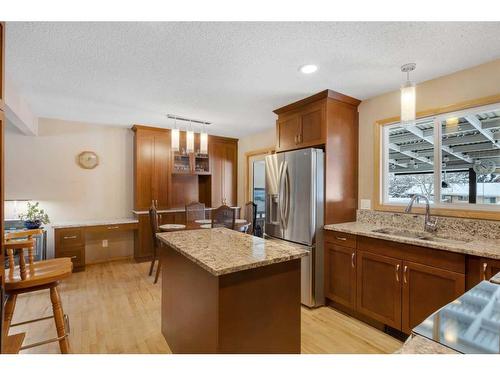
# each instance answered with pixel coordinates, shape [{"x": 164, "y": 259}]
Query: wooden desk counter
[
  {"x": 229, "y": 292},
  {"x": 70, "y": 238}
]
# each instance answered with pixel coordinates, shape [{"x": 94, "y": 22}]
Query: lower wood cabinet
[
  {"x": 379, "y": 288},
  {"x": 394, "y": 284},
  {"x": 143, "y": 244},
  {"x": 340, "y": 274},
  {"x": 70, "y": 243},
  {"x": 489, "y": 268},
  {"x": 425, "y": 290}
]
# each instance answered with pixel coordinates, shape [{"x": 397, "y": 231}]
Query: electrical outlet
[
  {"x": 366, "y": 204},
  {"x": 104, "y": 243}
]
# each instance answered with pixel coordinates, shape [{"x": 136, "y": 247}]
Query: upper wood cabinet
[
  {"x": 151, "y": 167},
  {"x": 2, "y": 65},
  {"x": 223, "y": 160},
  {"x": 328, "y": 120},
  {"x": 302, "y": 128}
]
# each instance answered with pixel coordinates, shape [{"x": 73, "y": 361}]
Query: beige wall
[
  {"x": 252, "y": 142},
  {"x": 44, "y": 168},
  {"x": 477, "y": 82}
]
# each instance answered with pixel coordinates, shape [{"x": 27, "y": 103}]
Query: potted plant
[{"x": 34, "y": 216}]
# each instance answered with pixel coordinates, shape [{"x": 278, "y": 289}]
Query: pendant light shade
[
  {"x": 189, "y": 140},
  {"x": 175, "y": 139},
  {"x": 203, "y": 141},
  {"x": 408, "y": 97}
]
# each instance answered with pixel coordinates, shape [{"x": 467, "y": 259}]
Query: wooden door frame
[{"x": 248, "y": 155}]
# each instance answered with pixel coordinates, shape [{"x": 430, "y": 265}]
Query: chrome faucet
[{"x": 430, "y": 224}]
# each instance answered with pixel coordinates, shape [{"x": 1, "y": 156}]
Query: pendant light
[
  {"x": 203, "y": 140},
  {"x": 175, "y": 137},
  {"x": 190, "y": 139},
  {"x": 408, "y": 97}
]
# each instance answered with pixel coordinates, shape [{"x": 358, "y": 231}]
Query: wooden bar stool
[{"x": 33, "y": 276}]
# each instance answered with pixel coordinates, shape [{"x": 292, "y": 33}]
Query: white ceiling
[{"x": 233, "y": 74}]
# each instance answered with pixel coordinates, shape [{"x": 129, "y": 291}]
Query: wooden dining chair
[
  {"x": 223, "y": 217},
  {"x": 195, "y": 211},
  {"x": 250, "y": 215},
  {"x": 31, "y": 276},
  {"x": 153, "y": 220}
]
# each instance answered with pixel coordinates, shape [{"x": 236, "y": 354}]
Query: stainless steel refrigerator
[{"x": 294, "y": 212}]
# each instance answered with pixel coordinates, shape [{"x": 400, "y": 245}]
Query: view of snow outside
[{"x": 454, "y": 189}]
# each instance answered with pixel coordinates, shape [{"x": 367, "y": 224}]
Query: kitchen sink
[{"x": 424, "y": 236}]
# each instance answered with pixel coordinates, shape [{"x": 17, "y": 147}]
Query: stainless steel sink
[{"x": 424, "y": 236}]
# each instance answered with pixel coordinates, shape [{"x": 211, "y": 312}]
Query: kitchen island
[{"x": 229, "y": 292}]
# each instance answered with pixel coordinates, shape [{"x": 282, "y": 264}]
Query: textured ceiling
[{"x": 233, "y": 74}]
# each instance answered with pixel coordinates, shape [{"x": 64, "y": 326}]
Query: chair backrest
[
  {"x": 195, "y": 211},
  {"x": 19, "y": 241},
  {"x": 153, "y": 220},
  {"x": 250, "y": 215},
  {"x": 223, "y": 217}
]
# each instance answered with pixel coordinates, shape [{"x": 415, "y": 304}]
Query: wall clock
[{"x": 88, "y": 159}]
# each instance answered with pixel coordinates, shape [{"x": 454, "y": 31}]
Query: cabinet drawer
[
  {"x": 70, "y": 237},
  {"x": 112, "y": 227},
  {"x": 77, "y": 255},
  {"x": 340, "y": 238}
]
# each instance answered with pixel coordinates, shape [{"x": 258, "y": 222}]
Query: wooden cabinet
[
  {"x": 3, "y": 347},
  {"x": 340, "y": 274},
  {"x": 479, "y": 269},
  {"x": 328, "y": 120},
  {"x": 425, "y": 290},
  {"x": 152, "y": 167},
  {"x": 302, "y": 128},
  {"x": 223, "y": 159},
  {"x": 287, "y": 129},
  {"x": 143, "y": 244},
  {"x": 2, "y": 67},
  {"x": 70, "y": 243},
  {"x": 489, "y": 268},
  {"x": 378, "y": 288},
  {"x": 392, "y": 283}
]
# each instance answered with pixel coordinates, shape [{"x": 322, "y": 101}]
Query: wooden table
[
  {"x": 240, "y": 225},
  {"x": 224, "y": 291}
]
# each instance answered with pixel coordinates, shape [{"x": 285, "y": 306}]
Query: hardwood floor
[{"x": 115, "y": 308}]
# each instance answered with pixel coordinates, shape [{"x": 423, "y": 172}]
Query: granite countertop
[
  {"x": 420, "y": 345},
  {"x": 173, "y": 210},
  {"x": 90, "y": 223},
  {"x": 489, "y": 248},
  {"x": 221, "y": 251}
]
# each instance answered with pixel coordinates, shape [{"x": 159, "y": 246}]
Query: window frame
[{"x": 381, "y": 167}]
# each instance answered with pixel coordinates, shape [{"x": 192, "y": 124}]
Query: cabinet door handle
[
  {"x": 341, "y": 238},
  {"x": 485, "y": 267},
  {"x": 353, "y": 257},
  {"x": 397, "y": 273},
  {"x": 69, "y": 237},
  {"x": 404, "y": 274},
  {"x": 300, "y": 138},
  {"x": 115, "y": 227}
]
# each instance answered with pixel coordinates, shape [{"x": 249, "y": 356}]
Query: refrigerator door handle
[
  {"x": 287, "y": 196},
  {"x": 281, "y": 194}
]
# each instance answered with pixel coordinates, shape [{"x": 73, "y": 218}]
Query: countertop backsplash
[{"x": 451, "y": 226}]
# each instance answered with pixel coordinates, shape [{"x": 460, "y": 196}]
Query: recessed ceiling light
[{"x": 308, "y": 69}]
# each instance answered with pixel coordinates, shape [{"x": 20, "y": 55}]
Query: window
[{"x": 452, "y": 159}]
